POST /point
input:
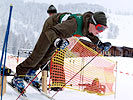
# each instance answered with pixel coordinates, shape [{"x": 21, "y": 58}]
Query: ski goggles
[{"x": 99, "y": 27}]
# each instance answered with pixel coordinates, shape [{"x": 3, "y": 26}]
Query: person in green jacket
[{"x": 57, "y": 28}]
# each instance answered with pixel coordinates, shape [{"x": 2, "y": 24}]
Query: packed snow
[{"x": 123, "y": 86}]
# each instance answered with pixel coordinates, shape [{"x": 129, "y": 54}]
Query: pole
[
  {"x": 44, "y": 81},
  {"x": 115, "y": 81},
  {"x": 4, "y": 50}
]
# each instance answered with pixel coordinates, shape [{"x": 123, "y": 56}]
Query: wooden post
[
  {"x": 4, "y": 85},
  {"x": 44, "y": 81}
]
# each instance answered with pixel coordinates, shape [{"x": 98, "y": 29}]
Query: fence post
[{"x": 44, "y": 81}]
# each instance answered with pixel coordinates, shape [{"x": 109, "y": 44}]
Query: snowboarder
[{"x": 56, "y": 30}]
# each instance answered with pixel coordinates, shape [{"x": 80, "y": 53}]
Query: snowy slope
[{"x": 124, "y": 81}]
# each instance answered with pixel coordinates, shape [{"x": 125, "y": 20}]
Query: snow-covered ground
[{"x": 124, "y": 86}]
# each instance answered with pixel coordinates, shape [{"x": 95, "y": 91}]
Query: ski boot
[
  {"x": 30, "y": 76},
  {"x": 18, "y": 83}
]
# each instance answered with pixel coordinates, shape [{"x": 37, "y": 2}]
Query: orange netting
[{"x": 97, "y": 77}]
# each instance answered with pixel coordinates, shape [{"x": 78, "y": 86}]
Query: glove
[
  {"x": 104, "y": 46},
  {"x": 61, "y": 43}
]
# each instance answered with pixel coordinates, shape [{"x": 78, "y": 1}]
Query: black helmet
[
  {"x": 51, "y": 9},
  {"x": 100, "y": 18}
]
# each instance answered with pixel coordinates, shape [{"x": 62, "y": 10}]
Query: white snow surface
[{"x": 124, "y": 86}]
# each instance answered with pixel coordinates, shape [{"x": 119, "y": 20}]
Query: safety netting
[{"x": 96, "y": 77}]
